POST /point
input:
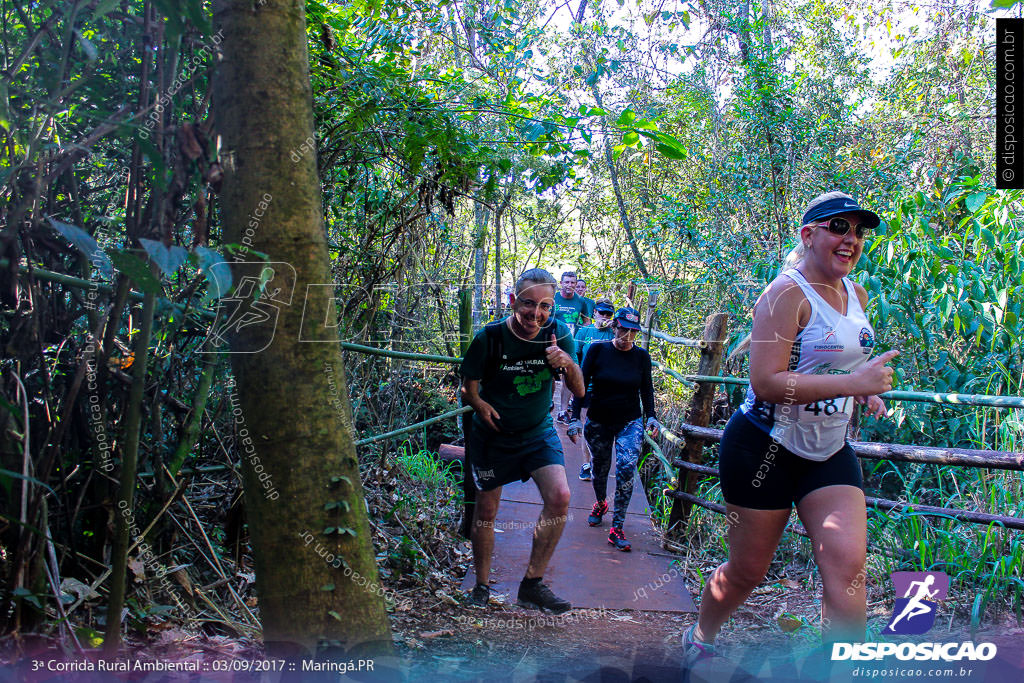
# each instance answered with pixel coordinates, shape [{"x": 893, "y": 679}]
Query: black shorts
[
  {"x": 756, "y": 472},
  {"x": 499, "y": 459}
]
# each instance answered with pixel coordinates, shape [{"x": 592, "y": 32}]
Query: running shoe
[
  {"x": 539, "y": 596},
  {"x": 586, "y": 472},
  {"x": 618, "y": 539},
  {"x": 563, "y": 417},
  {"x": 480, "y": 595},
  {"x": 695, "y": 650},
  {"x": 599, "y": 510}
]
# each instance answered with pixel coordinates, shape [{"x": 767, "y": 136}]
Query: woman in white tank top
[{"x": 809, "y": 366}]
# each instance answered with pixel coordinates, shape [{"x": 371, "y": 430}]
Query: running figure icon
[
  {"x": 915, "y": 607},
  {"x": 915, "y": 612}
]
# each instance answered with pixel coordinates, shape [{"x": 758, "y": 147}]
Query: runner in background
[
  {"x": 571, "y": 310},
  {"x": 623, "y": 396},
  {"x": 581, "y": 291},
  {"x": 599, "y": 330}
]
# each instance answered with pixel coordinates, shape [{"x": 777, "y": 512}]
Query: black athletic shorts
[
  {"x": 756, "y": 472},
  {"x": 500, "y": 459}
]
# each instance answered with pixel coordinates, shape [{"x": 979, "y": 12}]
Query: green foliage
[
  {"x": 427, "y": 469},
  {"x": 946, "y": 281}
]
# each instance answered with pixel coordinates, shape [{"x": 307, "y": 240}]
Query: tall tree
[{"x": 293, "y": 396}]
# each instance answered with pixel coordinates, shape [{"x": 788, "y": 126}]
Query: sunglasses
[{"x": 841, "y": 226}]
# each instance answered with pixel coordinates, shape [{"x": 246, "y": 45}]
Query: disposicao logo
[{"x": 913, "y": 614}]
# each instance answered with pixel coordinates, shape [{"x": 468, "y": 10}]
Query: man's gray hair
[{"x": 534, "y": 276}]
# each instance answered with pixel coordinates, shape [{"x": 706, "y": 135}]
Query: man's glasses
[
  {"x": 531, "y": 304},
  {"x": 841, "y": 226}
]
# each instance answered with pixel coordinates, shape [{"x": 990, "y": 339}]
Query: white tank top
[{"x": 830, "y": 344}]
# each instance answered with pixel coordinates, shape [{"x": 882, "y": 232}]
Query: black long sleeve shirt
[{"x": 621, "y": 381}]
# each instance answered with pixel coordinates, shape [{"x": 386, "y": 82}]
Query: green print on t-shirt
[{"x": 528, "y": 384}]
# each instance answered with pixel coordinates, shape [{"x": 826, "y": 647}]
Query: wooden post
[
  {"x": 652, "y": 308},
  {"x": 465, "y": 320},
  {"x": 716, "y": 331}
]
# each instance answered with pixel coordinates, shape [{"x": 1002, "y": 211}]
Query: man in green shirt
[
  {"x": 507, "y": 376},
  {"x": 581, "y": 291},
  {"x": 571, "y": 310}
]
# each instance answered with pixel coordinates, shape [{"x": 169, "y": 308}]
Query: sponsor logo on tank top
[
  {"x": 867, "y": 340},
  {"x": 829, "y": 343}
]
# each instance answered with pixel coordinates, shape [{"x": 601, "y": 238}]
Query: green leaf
[
  {"x": 631, "y": 138},
  {"x": 327, "y": 587},
  {"x": 975, "y": 201},
  {"x": 167, "y": 259},
  {"x": 27, "y": 595},
  {"x": 335, "y": 615},
  {"x": 340, "y": 478},
  {"x": 87, "y": 47},
  {"x": 670, "y": 152},
  {"x": 626, "y": 118},
  {"x": 137, "y": 270},
  {"x": 989, "y": 237},
  {"x": 5, "y": 475},
  {"x": 104, "y": 8},
  {"x": 216, "y": 270},
  {"x": 85, "y": 243},
  {"x": 346, "y": 530}
]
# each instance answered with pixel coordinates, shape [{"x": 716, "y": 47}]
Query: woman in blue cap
[
  {"x": 619, "y": 373},
  {"x": 809, "y": 366}
]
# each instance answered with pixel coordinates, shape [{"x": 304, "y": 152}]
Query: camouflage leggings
[{"x": 628, "y": 440}]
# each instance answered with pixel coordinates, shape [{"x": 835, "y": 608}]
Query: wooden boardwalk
[{"x": 585, "y": 569}]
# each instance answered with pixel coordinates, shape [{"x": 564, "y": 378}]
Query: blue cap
[
  {"x": 603, "y": 307},
  {"x": 836, "y": 205},
  {"x": 628, "y": 318}
]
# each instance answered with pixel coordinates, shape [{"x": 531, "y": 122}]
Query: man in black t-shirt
[{"x": 511, "y": 436}]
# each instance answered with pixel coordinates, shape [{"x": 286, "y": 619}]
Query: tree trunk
[
  {"x": 482, "y": 216},
  {"x": 620, "y": 202},
  {"x": 716, "y": 333},
  {"x": 304, "y": 500},
  {"x": 498, "y": 303}
]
